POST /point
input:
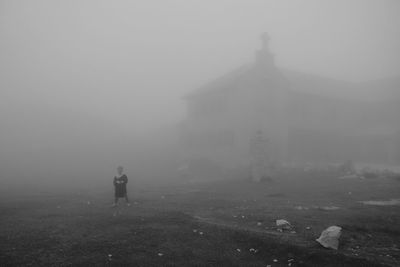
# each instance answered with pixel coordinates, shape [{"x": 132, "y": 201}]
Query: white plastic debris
[
  {"x": 392, "y": 202},
  {"x": 194, "y": 230},
  {"x": 160, "y": 254},
  {"x": 283, "y": 224},
  {"x": 259, "y": 223},
  {"x": 351, "y": 176},
  {"x": 275, "y": 260},
  {"x": 200, "y": 233},
  {"x": 329, "y": 208},
  {"x": 253, "y": 250},
  {"x": 301, "y": 208},
  {"x": 238, "y": 250},
  {"x": 330, "y": 237}
]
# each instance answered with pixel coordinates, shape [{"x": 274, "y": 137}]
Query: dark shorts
[{"x": 120, "y": 191}]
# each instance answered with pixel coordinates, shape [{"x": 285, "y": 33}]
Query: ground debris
[
  {"x": 391, "y": 202},
  {"x": 283, "y": 225},
  {"x": 330, "y": 237},
  {"x": 329, "y": 208}
]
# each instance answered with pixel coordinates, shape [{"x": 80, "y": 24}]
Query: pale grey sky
[{"x": 131, "y": 61}]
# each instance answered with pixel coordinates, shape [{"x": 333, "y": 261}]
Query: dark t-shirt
[{"x": 120, "y": 185}]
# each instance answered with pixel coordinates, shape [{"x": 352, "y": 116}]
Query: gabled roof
[
  {"x": 263, "y": 71},
  {"x": 387, "y": 89},
  {"x": 221, "y": 83}
]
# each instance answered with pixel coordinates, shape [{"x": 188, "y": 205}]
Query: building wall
[
  {"x": 222, "y": 122},
  {"x": 300, "y": 128}
]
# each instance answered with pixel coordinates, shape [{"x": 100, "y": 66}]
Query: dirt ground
[{"x": 224, "y": 223}]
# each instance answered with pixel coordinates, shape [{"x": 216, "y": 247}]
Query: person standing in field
[{"x": 120, "y": 182}]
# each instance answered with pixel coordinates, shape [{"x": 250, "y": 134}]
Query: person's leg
[
  {"x": 127, "y": 200},
  {"x": 115, "y": 201}
]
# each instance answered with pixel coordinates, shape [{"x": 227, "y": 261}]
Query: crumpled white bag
[
  {"x": 283, "y": 224},
  {"x": 330, "y": 237}
]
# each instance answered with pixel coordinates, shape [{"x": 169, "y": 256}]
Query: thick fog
[{"x": 86, "y": 86}]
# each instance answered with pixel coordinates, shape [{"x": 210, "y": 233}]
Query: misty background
[{"x": 89, "y": 85}]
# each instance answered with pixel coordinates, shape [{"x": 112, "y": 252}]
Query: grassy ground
[{"x": 226, "y": 223}]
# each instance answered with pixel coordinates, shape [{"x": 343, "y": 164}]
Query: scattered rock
[{"x": 330, "y": 237}]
